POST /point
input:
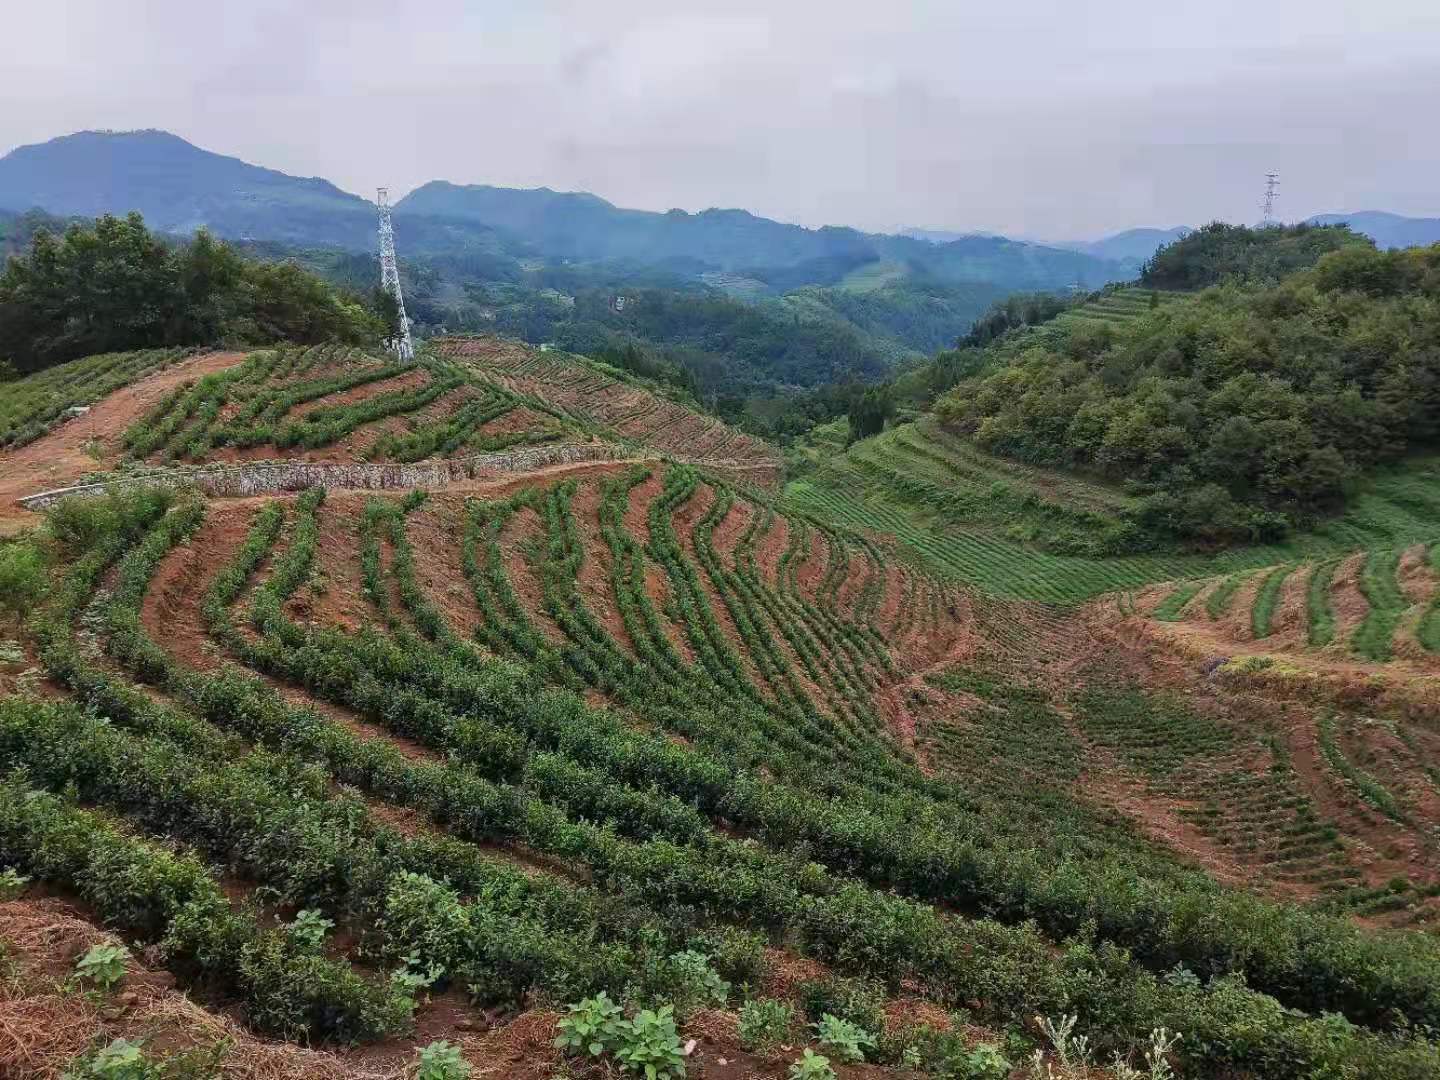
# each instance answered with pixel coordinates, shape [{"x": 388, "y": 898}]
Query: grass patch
[
  {"x": 1170, "y": 608},
  {"x": 1262, "y": 613},
  {"x": 1319, "y": 611},
  {"x": 1219, "y": 601},
  {"x": 1378, "y": 582}
]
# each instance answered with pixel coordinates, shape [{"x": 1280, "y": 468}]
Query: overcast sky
[{"x": 1029, "y": 117}]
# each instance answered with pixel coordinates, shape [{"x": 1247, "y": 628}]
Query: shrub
[
  {"x": 691, "y": 982},
  {"x": 856, "y": 1000},
  {"x": 78, "y": 525},
  {"x": 765, "y": 1023},
  {"x": 738, "y": 955},
  {"x": 309, "y": 930},
  {"x": 22, "y": 579},
  {"x": 12, "y": 883}
]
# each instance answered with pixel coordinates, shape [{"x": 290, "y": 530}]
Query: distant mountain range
[
  {"x": 179, "y": 187},
  {"x": 1130, "y": 246},
  {"x": 1387, "y": 230}
]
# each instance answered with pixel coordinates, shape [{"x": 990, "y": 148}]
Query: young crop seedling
[
  {"x": 441, "y": 1061},
  {"x": 811, "y": 1066},
  {"x": 765, "y": 1023},
  {"x": 650, "y": 1046},
  {"x": 121, "y": 1059},
  {"x": 592, "y": 1026},
  {"x": 848, "y": 1040},
  {"x": 103, "y": 965}
]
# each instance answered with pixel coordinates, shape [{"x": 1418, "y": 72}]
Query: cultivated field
[{"x": 359, "y": 772}]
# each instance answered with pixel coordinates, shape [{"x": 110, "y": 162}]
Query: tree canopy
[
  {"x": 114, "y": 285},
  {"x": 1237, "y": 413},
  {"x": 1219, "y": 252}
]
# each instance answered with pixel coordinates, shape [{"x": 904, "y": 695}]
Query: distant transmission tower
[
  {"x": 1272, "y": 188},
  {"x": 401, "y": 345}
]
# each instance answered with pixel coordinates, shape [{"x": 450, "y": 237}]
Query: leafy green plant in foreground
[
  {"x": 849, "y": 1041},
  {"x": 648, "y": 1044},
  {"x": 812, "y": 1066},
  {"x": 121, "y": 1059},
  {"x": 441, "y": 1061},
  {"x": 103, "y": 965},
  {"x": 592, "y": 1026},
  {"x": 765, "y": 1023}
]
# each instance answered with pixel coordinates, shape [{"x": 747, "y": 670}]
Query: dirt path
[{"x": 68, "y": 453}]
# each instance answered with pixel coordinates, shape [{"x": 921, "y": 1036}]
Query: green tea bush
[
  {"x": 856, "y": 1001},
  {"x": 22, "y": 579},
  {"x": 737, "y": 955},
  {"x": 689, "y": 982}
]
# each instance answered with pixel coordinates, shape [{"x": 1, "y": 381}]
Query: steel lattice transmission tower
[
  {"x": 401, "y": 345},
  {"x": 1272, "y": 188}
]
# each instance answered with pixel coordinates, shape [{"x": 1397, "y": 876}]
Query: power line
[
  {"x": 1272, "y": 188},
  {"x": 400, "y": 345}
]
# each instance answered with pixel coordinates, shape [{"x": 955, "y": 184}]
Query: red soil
[{"x": 91, "y": 442}]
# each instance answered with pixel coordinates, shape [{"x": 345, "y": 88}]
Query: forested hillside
[
  {"x": 115, "y": 286},
  {"x": 1239, "y": 413},
  {"x": 1219, "y": 252}
]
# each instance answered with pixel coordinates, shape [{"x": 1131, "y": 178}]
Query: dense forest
[
  {"x": 114, "y": 285},
  {"x": 1241, "y": 412},
  {"x": 1220, "y": 252}
]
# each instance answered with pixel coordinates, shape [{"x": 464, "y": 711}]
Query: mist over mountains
[{"x": 179, "y": 187}]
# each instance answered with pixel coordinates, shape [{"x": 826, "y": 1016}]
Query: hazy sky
[{"x": 1031, "y": 117}]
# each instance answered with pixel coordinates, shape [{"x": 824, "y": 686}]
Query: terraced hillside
[
  {"x": 1117, "y": 306},
  {"x": 364, "y": 771},
  {"x": 1030, "y": 533},
  {"x": 590, "y": 393},
  {"x": 733, "y": 689},
  {"x": 1377, "y": 605},
  {"x": 333, "y": 405},
  {"x": 336, "y": 403}
]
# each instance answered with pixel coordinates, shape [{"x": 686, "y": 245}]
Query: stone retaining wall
[{"x": 261, "y": 477}]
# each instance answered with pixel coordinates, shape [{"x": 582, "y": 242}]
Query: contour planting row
[
  {"x": 1391, "y": 611},
  {"x": 573, "y": 386},
  {"x": 31, "y": 406},
  {"x": 844, "y": 924},
  {"x": 925, "y": 849},
  {"x": 290, "y": 398}
]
